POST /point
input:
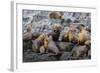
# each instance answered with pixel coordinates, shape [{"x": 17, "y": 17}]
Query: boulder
[
  {"x": 27, "y": 45},
  {"x": 89, "y": 54},
  {"x": 64, "y": 46},
  {"x": 38, "y": 57},
  {"x": 47, "y": 57},
  {"x": 65, "y": 56},
  {"x": 79, "y": 51}
]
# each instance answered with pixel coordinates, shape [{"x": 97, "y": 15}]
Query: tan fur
[
  {"x": 46, "y": 41},
  {"x": 55, "y": 15},
  {"x": 82, "y": 36},
  {"x": 71, "y": 34}
]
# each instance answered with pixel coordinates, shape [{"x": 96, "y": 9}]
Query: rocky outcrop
[{"x": 62, "y": 44}]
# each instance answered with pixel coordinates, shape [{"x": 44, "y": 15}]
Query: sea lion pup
[
  {"x": 37, "y": 43},
  {"x": 83, "y": 35},
  {"x": 55, "y": 15},
  {"x": 52, "y": 46},
  {"x": 28, "y": 35}
]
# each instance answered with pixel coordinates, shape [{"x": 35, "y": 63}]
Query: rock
[
  {"x": 65, "y": 56},
  {"x": 79, "y": 51},
  {"x": 31, "y": 57},
  {"x": 47, "y": 57},
  {"x": 89, "y": 54},
  {"x": 37, "y": 22},
  {"x": 88, "y": 44},
  {"x": 36, "y": 57},
  {"x": 27, "y": 44},
  {"x": 37, "y": 18},
  {"x": 64, "y": 46}
]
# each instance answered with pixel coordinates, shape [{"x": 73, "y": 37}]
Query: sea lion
[
  {"x": 28, "y": 35},
  {"x": 46, "y": 41},
  {"x": 44, "y": 47},
  {"x": 83, "y": 35},
  {"x": 56, "y": 29},
  {"x": 71, "y": 35},
  {"x": 52, "y": 46},
  {"x": 37, "y": 43},
  {"x": 55, "y": 15}
]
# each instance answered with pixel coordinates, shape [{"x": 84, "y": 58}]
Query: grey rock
[
  {"x": 47, "y": 57},
  {"x": 65, "y": 56},
  {"x": 27, "y": 44},
  {"x": 79, "y": 51},
  {"x": 38, "y": 57},
  {"x": 89, "y": 54},
  {"x": 64, "y": 46}
]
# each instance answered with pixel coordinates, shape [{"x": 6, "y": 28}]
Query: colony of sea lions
[{"x": 75, "y": 40}]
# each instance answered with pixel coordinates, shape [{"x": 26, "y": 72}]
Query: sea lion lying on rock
[
  {"x": 52, "y": 46},
  {"x": 44, "y": 47},
  {"x": 41, "y": 44},
  {"x": 55, "y": 15},
  {"x": 71, "y": 35},
  {"x": 37, "y": 43}
]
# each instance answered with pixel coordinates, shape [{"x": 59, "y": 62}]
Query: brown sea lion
[
  {"x": 52, "y": 46},
  {"x": 37, "y": 43},
  {"x": 44, "y": 47},
  {"x": 55, "y": 15},
  {"x": 83, "y": 35},
  {"x": 71, "y": 35},
  {"x": 56, "y": 29}
]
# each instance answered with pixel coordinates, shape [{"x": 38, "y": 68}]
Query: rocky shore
[{"x": 56, "y": 36}]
